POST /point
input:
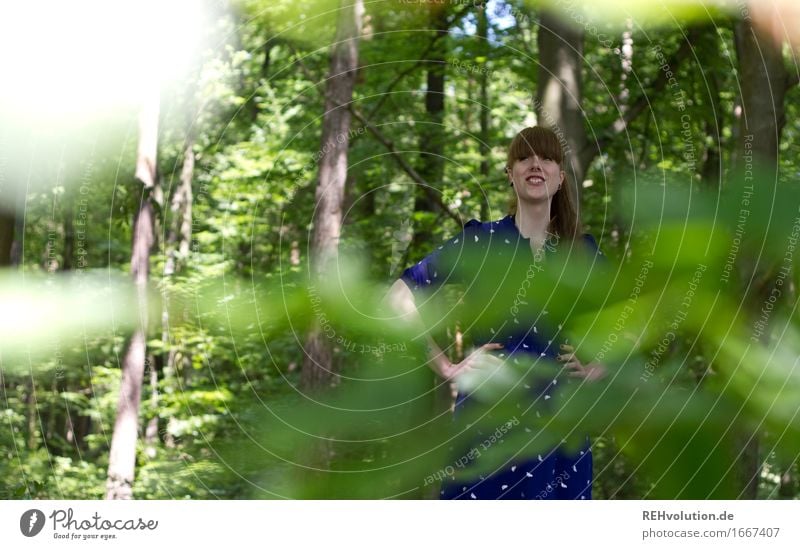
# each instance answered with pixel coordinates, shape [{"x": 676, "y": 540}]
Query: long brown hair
[{"x": 545, "y": 143}]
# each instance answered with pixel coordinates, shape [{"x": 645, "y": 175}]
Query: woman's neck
[{"x": 533, "y": 220}]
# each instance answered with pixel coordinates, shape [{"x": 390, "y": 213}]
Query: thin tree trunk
[
  {"x": 712, "y": 160},
  {"x": 618, "y": 223},
  {"x": 431, "y": 169},
  {"x": 8, "y": 218},
  {"x": 62, "y": 382},
  {"x": 268, "y": 46},
  {"x": 153, "y": 365},
  {"x": 17, "y": 246},
  {"x": 560, "y": 88},
  {"x": 7, "y": 224},
  {"x": 486, "y": 150},
  {"x": 708, "y": 48},
  {"x": 788, "y": 484},
  {"x": 176, "y": 252},
  {"x": 32, "y": 412},
  {"x": 8, "y": 202},
  {"x": 431, "y": 163},
  {"x": 69, "y": 430},
  {"x": 69, "y": 233},
  {"x": 122, "y": 455},
  {"x": 52, "y": 414},
  {"x": 318, "y": 367},
  {"x": 626, "y": 64}
]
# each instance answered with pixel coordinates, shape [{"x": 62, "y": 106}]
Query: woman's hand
[
  {"x": 591, "y": 371},
  {"x": 474, "y": 360}
]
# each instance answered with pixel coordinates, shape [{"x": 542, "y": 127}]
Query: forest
[{"x": 204, "y": 203}]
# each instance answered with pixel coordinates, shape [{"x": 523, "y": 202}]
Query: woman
[{"x": 543, "y": 216}]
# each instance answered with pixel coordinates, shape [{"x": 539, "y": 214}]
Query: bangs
[{"x": 538, "y": 140}]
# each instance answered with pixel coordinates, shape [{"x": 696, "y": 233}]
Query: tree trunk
[
  {"x": 69, "y": 232},
  {"x": 763, "y": 84},
  {"x": 626, "y": 64},
  {"x": 122, "y": 455},
  {"x": 32, "y": 413},
  {"x": 559, "y": 89},
  {"x": 788, "y": 484},
  {"x": 431, "y": 169},
  {"x": 176, "y": 251},
  {"x": 8, "y": 221},
  {"x": 179, "y": 236},
  {"x": 486, "y": 150},
  {"x": 19, "y": 232},
  {"x": 318, "y": 368},
  {"x": 762, "y": 75},
  {"x": 268, "y": 46},
  {"x": 8, "y": 202},
  {"x": 709, "y": 47},
  {"x": 431, "y": 144},
  {"x": 153, "y": 366}
]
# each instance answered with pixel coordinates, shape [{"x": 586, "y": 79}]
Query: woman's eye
[{"x": 542, "y": 158}]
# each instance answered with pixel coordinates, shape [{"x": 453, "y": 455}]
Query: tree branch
[
  {"x": 422, "y": 58},
  {"x": 403, "y": 74},
  {"x": 590, "y": 150},
  {"x": 406, "y": 167}
]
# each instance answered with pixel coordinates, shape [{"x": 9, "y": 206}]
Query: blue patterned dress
[{"x": 553, "y": 475}]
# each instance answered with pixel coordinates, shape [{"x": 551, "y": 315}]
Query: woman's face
[{"x": 535, "y": 178}]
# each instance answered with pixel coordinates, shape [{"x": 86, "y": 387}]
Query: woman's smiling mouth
[{"x": 534, "y": 179}]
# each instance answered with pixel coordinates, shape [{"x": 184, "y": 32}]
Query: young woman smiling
[{"x": 543, "y": 216}]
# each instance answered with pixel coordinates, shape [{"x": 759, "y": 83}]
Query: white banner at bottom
[{"x": 400, "y": 524}]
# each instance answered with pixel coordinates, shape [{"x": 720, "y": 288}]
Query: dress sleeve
[{"x": 439, "y": 266}]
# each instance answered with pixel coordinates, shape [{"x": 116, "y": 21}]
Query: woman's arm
[
  {"x": 401, "y": 299},
  {"x": 591, "y": 371}
]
